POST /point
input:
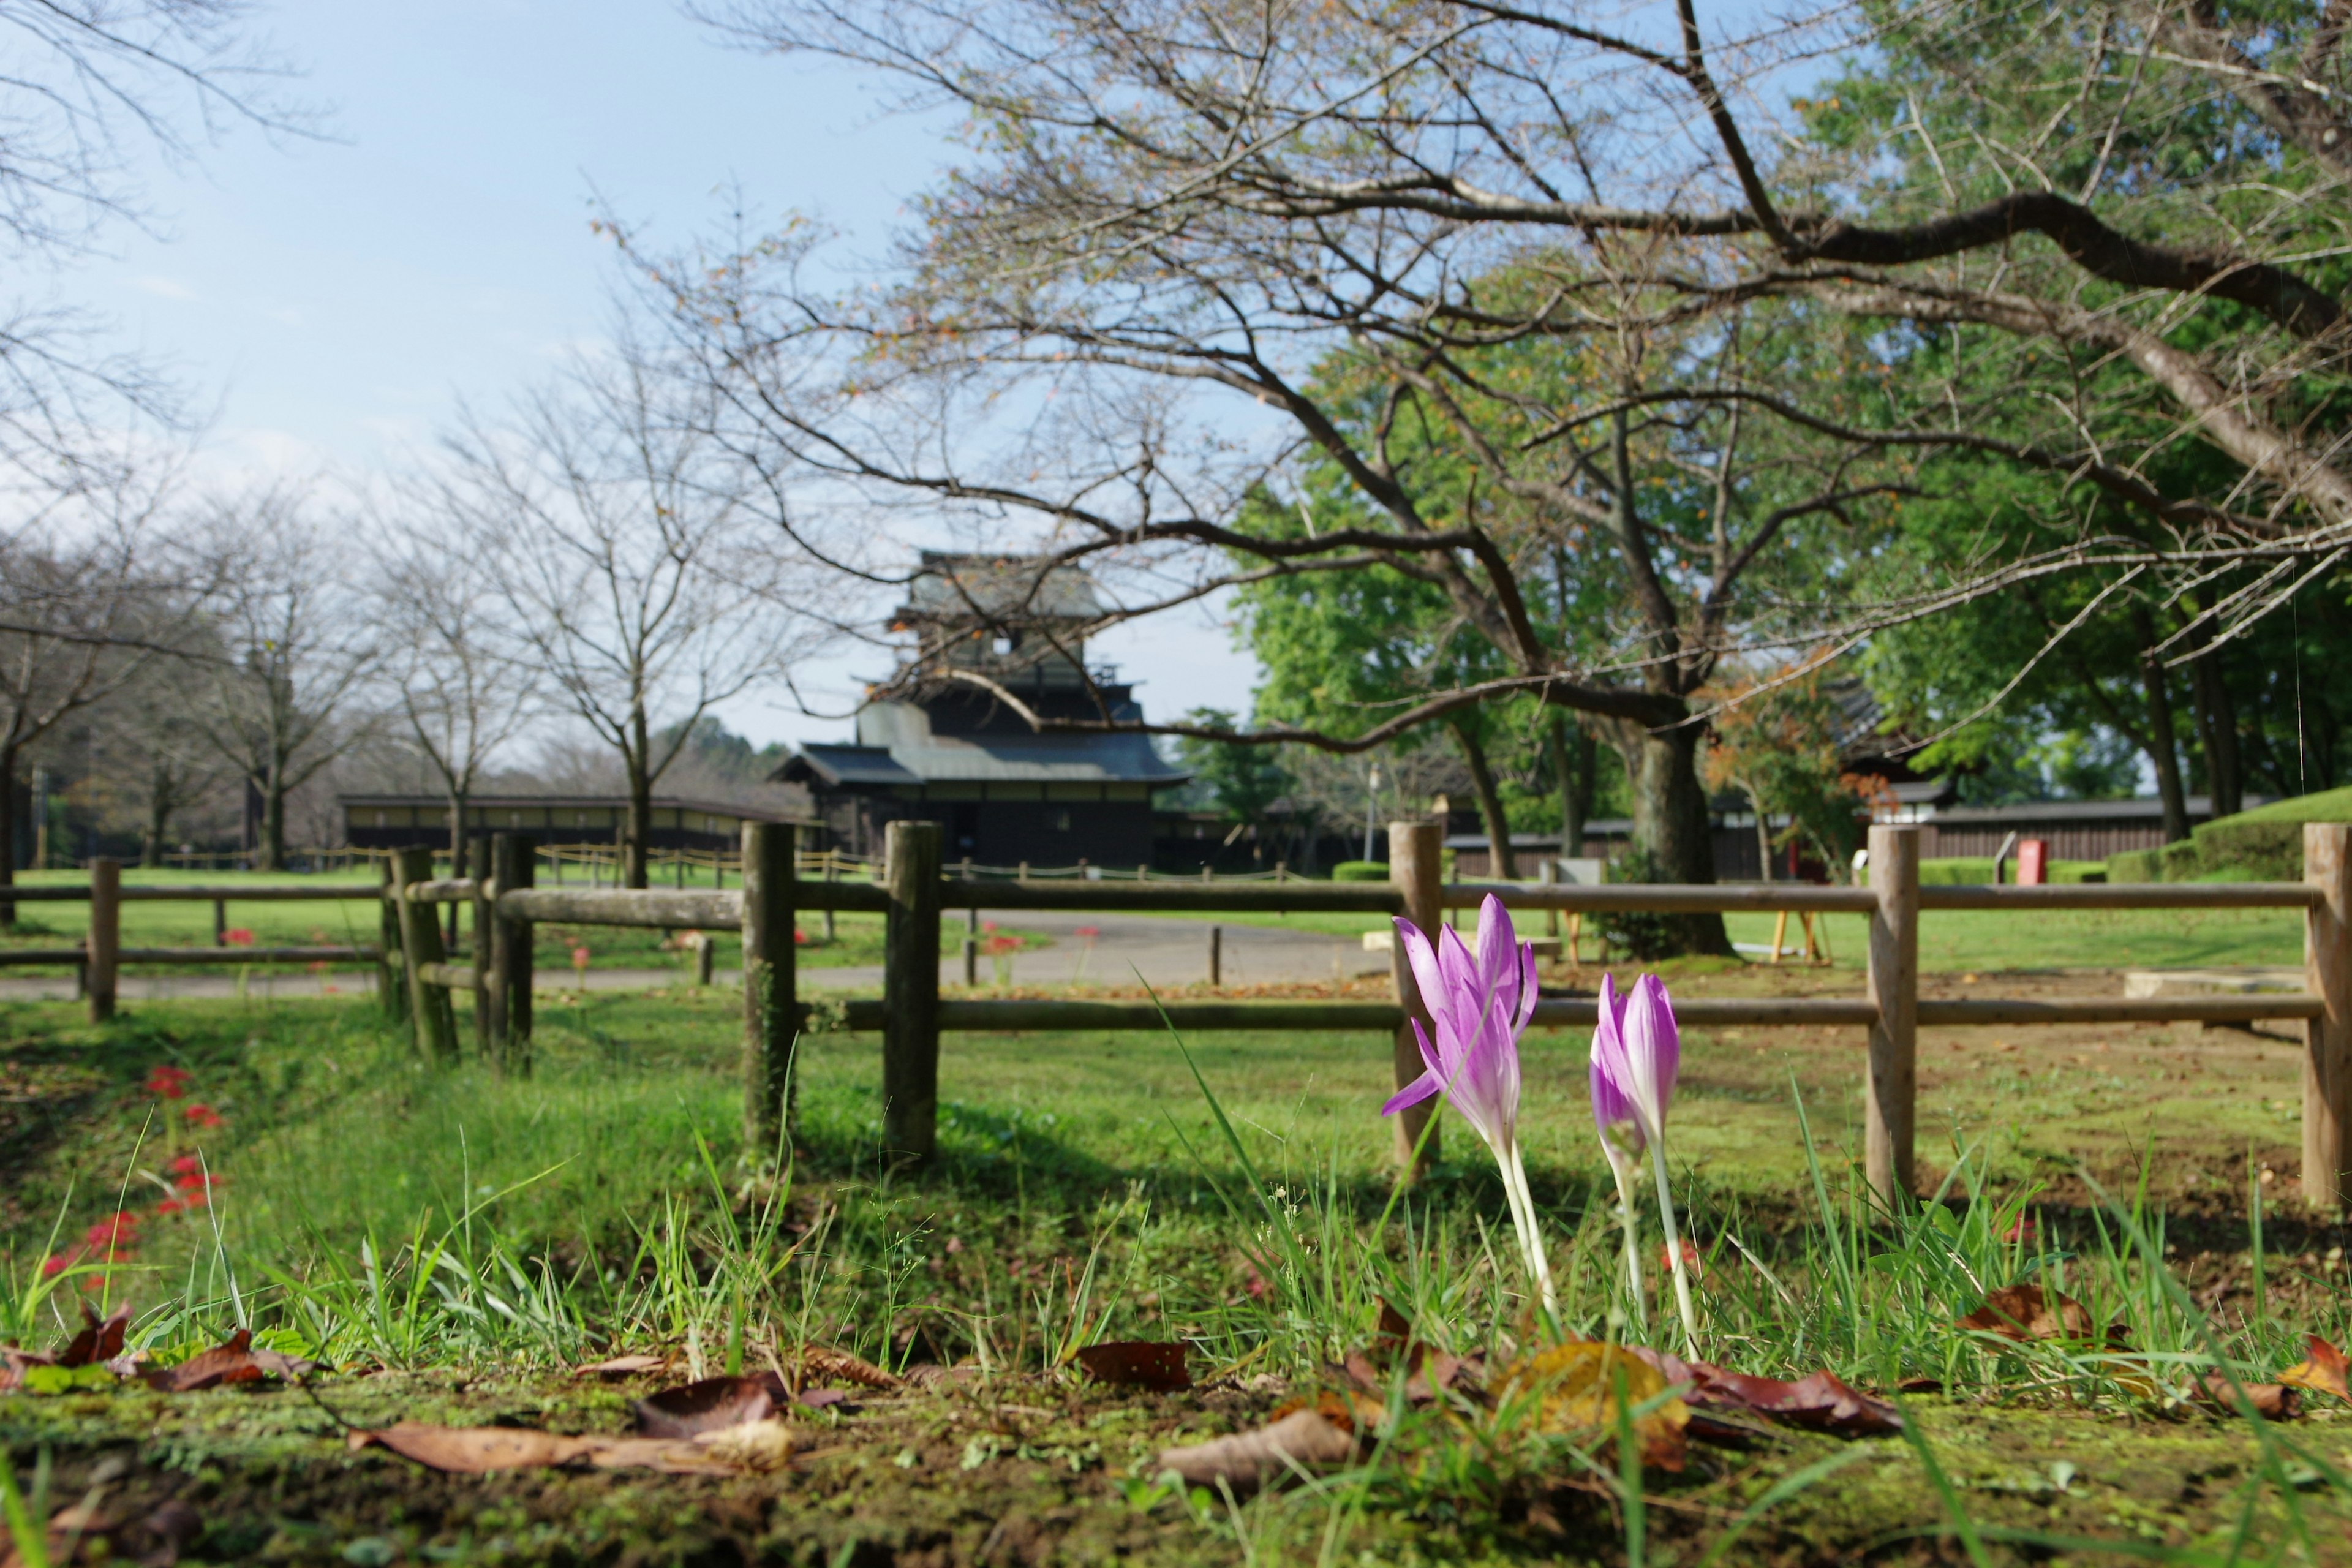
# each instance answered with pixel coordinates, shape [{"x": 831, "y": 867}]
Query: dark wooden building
[{"x": 931, "y": 746}]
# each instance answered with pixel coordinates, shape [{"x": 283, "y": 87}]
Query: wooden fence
[
  {"x": 98, "y": 960},
  {"x": 910, "y": 1015}
]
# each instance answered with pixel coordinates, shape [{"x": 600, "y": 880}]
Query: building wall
[
  {"x": 2068, "y": 840},
  {"x": 397, "y": 827},
  {"x": 1004, "y": 833}
]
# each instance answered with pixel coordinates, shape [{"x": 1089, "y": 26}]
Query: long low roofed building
[{"x": 402, "y": 821}]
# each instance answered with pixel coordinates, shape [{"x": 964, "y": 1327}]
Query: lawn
[
  {"x": 451, "y": 1241},
  {"x": 856, "y": 939}
]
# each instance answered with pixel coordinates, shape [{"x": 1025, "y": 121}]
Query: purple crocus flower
[
  {"x": 1481, "y": 1002},
  {"x": 1637, "y": 1054}
]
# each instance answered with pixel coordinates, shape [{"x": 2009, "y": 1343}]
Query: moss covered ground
[{"x": 451, "y": 1243}]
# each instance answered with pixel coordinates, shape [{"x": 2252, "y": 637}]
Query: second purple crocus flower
[{"x": 1637, "y": 1054}]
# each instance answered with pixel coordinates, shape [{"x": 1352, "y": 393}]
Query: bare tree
[
  {"x": 297, "y": 654},
  {"x": 634, "y": 573},
  {"x": 88, "y": 607},
  {"x": 457, "y": 689},
  {"x": 1512, "y": 279},
  {"x": 153, "y": 738}
]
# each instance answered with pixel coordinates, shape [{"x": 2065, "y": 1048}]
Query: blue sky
[{"x": 334, "y": 299}]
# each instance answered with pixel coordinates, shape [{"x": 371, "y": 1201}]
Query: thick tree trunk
[
  {"x": 1500, "y": 862},
  {"x": 272, "y": 851},
  {"x": 2163, "y": 744},
  {"x": 1572, "y": 770},
  {"x": 161, "y": 800},
  {"x": 639, "y": 827},
  {"x": 1670, "y": 821},
  {"x": 2217, "y": 726}
]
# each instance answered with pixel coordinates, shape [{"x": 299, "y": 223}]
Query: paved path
[{"x": 1165, "y": 952}]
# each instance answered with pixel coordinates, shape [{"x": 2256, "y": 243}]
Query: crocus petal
[
  {"x": 1652, "y": 1053},
  {"x": 1427, "y": 976},
  {"x": 1499, "y": 945},
  {"x": 1414, "y": 1093},
  {"x": 1611, "y": 1109}
]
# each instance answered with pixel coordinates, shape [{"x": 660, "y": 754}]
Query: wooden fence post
[
  {"x": 910, "y": 992},
  {"x": 771, "y": 991},
  {"x": 1216, "y": 955},
  {"x": 2327, "y": 1040},
  {"x": 105, "y": 935},
  {"x": 220, "y": 923},
  {"x": 1414, "y": 849},
  {"x": 1892, "y": 1092},
  {"x": 392, "y": 969},
  {"x": 481, "y": 939},
  {"x": 428, "y": 1005},
  {"x": 514, "y": 863}
]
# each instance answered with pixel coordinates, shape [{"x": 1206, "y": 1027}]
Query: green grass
[
  {"x": 353, "y": 920},
  {"x": 474, "y": 1234}
]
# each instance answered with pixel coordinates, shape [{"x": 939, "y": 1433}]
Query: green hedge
[
  {"x": 1360, "y": 871},
  {"x": 2264, "y": 844},
  {"x": 1973, "y": 870}
]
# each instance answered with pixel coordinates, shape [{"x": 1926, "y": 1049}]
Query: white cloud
[{"x": 167, "y": 288}]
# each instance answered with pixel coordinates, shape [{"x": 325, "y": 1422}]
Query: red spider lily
[
  {"x": 203, "y": 1117},
  {"x": 1002, "y": 944},
  {"x": 2024, "y": 1230},
  {"x": 319, "y": 966},
  {"x": 57, "y": 1262},
  {"x": 579, "y": 958},
  {"x": 988, "y": 925},
  {"x": 168, "y": 1082},
  {"x": 187, "y": 1165},
  {"x": 238, "y": 936},
  {"x": 199, "y": 1181},
  {"x": 171, "y": 1206},
  {"x": 800, "y": 937},
  {"x": 1691, "y": 1259},
  {"x": 1089, "y": 932},
  {"x": 113, "y": 1238}
]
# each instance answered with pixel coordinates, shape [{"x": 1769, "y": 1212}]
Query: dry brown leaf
[
  {"x": 2271, "y": 1402},
  {"x": 824, "y": 1363},
  {"x": 478, "y": 1450},
  {"x": 2323, "y": 1371},
  {"x": 2023, "y": 1313},
  {"x": 234, "y": 1362},
  {"x": 622, "y": 1367},
  {"x": 1578, "y": 1386},
  {"x": 1819, "y": 1401},
  {"x": 1247, "y": 1460},
  {"x": 99, "y": 1341},
  {"x": 706, "y": 1407},
  {"x": 1155, "y": 1364}
]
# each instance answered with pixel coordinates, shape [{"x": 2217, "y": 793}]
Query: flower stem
[
  {"x": 1617, "y": 1166},
  {"x": 1531, "y": 1234},
  {"x": 1674, "y": 1249}
]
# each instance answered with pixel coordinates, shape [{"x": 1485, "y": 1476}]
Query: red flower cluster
[
  {"x": 800, "y": 937},
  {"x": 238, "y": 936},
  {"x": 194, "y": 1184},
  {"x": 168, "y": 1082},
  {"x": 203, "y": 1118},
  {"x": 580, "y": 958},
  {"x": 1002, "y": 944},
  {"x": 110, "y": 1240}
]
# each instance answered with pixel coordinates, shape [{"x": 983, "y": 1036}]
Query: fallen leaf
[
  {"x": 1819, "y": 1401},
  {"x": 2271, "y": 1402},
  {"x": 822, "y": 1363},
  {"x": 1247, "y": 1460},
  {"x": 622, "y": 1367},
  {"x": 2022, "y": 1313},
  {"x": 99, "y": 1341},
  {"x": 752, "y": 1446},
  {"x": 2323, "y": 1371},
  {"x": 1395, "y": 1331},
  {"x": 234, "y": 1362},
  {"x": 1138, "y": 1364},
  {"x": 706, "y": 1406},
  {"x": 1578, "y": 1388}
]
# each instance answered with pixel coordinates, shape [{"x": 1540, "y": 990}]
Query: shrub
[{"x": 1360, "y": 871}]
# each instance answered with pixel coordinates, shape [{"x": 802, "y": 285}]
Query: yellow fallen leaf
[{"x": 1576, "y": 1387}]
